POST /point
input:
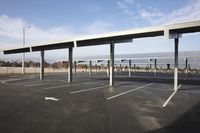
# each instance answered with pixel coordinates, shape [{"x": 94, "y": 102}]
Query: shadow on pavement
[{"x": 187, "y": 123}]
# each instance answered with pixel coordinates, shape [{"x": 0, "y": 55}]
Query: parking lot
[{"x": 90, "y": 105}]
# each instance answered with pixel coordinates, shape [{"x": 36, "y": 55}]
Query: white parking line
[
  {"x": 94, "y": 82},
  {"x": 9, "y": 80},
  {"x": 73, "y": 92},
  {"x": 167, "y": 101},
  {"x": 40, "y": 84},
  {"x": 129, "y": 91},
  {"x": 51, "y": 98},
  {"x": 38, "y": 81},
  {"x": 95, "y": 88},
  {"x": 14, "y": 79},
  {"x": 54, "y": 87}
]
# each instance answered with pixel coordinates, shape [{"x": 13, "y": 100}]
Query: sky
[{"x": 53, "y": 20}]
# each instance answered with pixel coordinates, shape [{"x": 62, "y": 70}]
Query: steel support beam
[
  {"x": 70, "y": 64},
  {"x": 108, "y": 68},
  {"x": 186, "y": 68},
  {"x": 41, "y": 65},
  {"x": 23, "y": 63},
  {"x": 112, "y": 50},
  {"x": 90, "y": 67},
  {"x": 186, "y": 63},
  {"x": 129, "y": 74},
  {"x": 155, "y": 65},
  {"x": 75, "y": 66},
  {"x": 176, "y": 41}
]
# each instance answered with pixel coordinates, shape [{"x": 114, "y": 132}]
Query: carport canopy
[
  {"x": 170, "y": 31},
  {"x": 115, "y": 37}
]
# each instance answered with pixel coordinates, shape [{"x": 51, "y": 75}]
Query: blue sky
[{"x": 64, "y": 19}]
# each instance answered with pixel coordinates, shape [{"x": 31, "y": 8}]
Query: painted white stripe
[
  {"x": 8, "y": 80},
  {"x": 51, "y": 98},
  {"x": 73, "y": 92},
  {"x": 54, "y": 87},
  {"x": 40, "y": 84},
  {"x": 95, "y": 88},
  {"x": 167, "y": 101},
  {"x": 94, "y": 82},
  {"x": 14, "y": 79},
  {"x": 129, "y": 91},
  {"x": 122, "y": 83}
]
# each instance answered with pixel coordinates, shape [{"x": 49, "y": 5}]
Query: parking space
[{"x": 90, "y": 105}]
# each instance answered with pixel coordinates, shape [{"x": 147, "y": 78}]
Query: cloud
[
  {"x": 189, "y": 12},
  {"x": 129, "y": 1},
  {"x": 94, "y": 7},
  {"x": 55, "y": 33},
  {"x": 97, "y": 27},
  {"x": 153, "y": 16},
  {"x": 10, "y": 26},
  {"x": 129, "y": 7},
  {"x": 11, "y": 36},
  {"x": 11, "y": 32},
  {"x": 125, "y": 8},
  {"x": 150, "y": 14}
]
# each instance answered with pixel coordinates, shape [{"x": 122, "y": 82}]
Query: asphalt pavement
[{"x": 90, "y": 105}]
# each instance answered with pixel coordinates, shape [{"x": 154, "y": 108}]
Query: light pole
[{"x": 23, "y": 54}]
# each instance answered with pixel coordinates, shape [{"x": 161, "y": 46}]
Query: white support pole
[
  {"x": 176, "y": 65},
  {"x": 129, "y": 74},
  {"x": 90, "y": 67},
  {"x": 112, "y": 49},
  {"x": 108, "y": 68},
  {"x": 155, "y": 65},
  {"x": 41, "y": 65},
  {"x": 70, "y": 64},
  {"x": 75, "y": 66}
]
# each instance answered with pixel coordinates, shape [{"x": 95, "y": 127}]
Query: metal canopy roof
[
  {"x": 53, "y": 46},
  {"x": 179, "y": 28},
  {"x": 116, "y": 37},
  {"x": 182, "y": 28},
  {"x": 17, "y": 50},
  {"x": 120, "y": 37}
]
